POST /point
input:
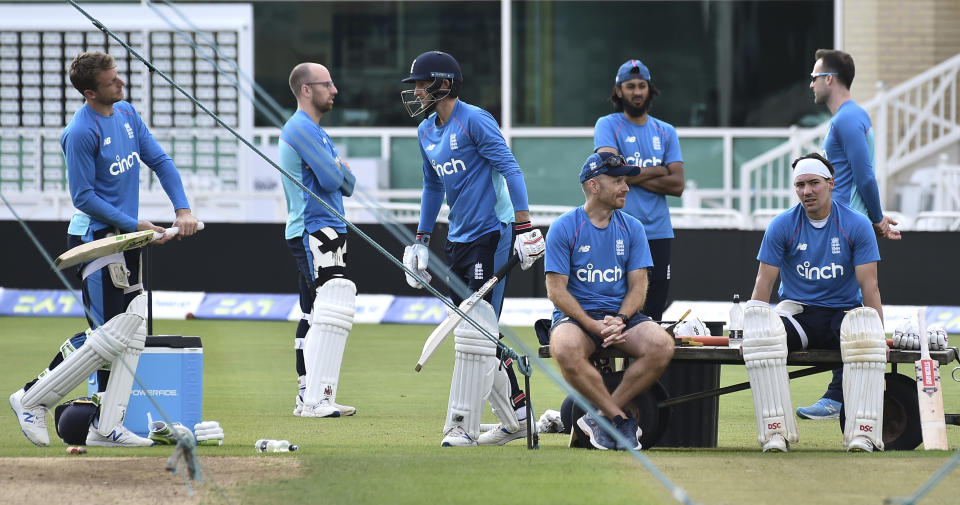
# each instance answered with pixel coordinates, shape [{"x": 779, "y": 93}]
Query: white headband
[{"x": 811, "y": 166}]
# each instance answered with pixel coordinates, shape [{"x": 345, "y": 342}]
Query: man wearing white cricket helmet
[
  {"x": 318, "y": 241},
  {"x": 826, "y": 256},
  {"x": 466, "y": 160},
  {"x": 596, "y": 265},
  {"x": 104, "y": 146}
]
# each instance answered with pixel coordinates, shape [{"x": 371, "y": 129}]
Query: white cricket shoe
[
  {"x": 457, "y": 437},
  {"x": 860, "y": 444},
  {"x": 345, "y": 410},
  {"x": 33, "y": 420},
  {"x": 500, "y": 436},
  {"x": 776, "y": 444},
  {"x": 323, "y": 408},
  {"x": 119, "y": 437}
]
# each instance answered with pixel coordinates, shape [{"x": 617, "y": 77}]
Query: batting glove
[
  {"x": 208, "y": 433},
  {"x": 528, "y": 244},
  {"x": 415, "y": 258},
  {"x": 938, "y": 338}
]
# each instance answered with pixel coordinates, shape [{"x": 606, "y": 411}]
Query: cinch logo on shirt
[
  {"x": 644, "y": 162},
  {"x": 590, "y": 274},
  {"x": 451, "y": 167},
  {"x": 831, "y": 271},
  {"x": 124, "y": 164}
]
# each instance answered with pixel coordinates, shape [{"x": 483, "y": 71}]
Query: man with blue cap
[
  {"x": 652, "y": 144},
  {"x": 596, "y": 267}
]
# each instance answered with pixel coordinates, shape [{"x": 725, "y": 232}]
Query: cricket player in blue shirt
[
  {"x": 651, "y": 144},
  {"x": 105, "y": 146},
  {"x": 596, "y": 264},
  {"x": 318, "y": 241},
  {"x": 467, "y": 161},
  {"x": 849, "y": 147},
  {"x": 825, "y": 254}
]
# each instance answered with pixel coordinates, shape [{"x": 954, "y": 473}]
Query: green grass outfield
[{"x": 389, "y": 452}]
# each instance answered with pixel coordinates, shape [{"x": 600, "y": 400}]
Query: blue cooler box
[{"x": 171, "y": 368}]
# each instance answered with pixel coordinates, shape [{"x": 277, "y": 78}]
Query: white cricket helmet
[{"x": 691, "y": 327}]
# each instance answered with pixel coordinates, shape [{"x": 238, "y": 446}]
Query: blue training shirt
[
  {"x": 596, "y": 260},
  {"x": 818, "y": 266},
  {"x": 321, "y": 171},
  {"x": 468, "y": 161},
  {"x": 103, "y": 156},
  {"x": 849, "y": 147},
  {"x": 653, "y": 144}
]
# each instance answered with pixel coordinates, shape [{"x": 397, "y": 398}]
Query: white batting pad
[
  {"x": 863, "y": 347},
  {"x": 102, "y": 346},
  {"x": 473, "y": 370},
  {"x": 332, "y": 320},
  {"x": 765, "y": 354},
  {"x": 114, "y": 400},
  {"x": 500, "y": 402}
]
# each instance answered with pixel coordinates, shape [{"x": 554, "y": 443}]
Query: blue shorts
[
  {"x": 100, "y": 296},
  {"x": 636, "y": 319},
  {"x": 820, "y": 324},
  {"x": 474, "y": 263}
]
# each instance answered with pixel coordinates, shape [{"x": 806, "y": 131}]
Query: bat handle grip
[{"x": 173, "y": 230}]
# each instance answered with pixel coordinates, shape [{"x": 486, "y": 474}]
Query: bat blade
[
  {"x": 111, "y": 245},
  {"x": 440, "y": 333},
  {"x": 929, "y": 394}
]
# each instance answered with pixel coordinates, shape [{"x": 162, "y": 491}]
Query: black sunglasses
[{"x": 614, "y": 161}]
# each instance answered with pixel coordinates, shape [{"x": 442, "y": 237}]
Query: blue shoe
[
  {"x": 598, "y": 438},
  {"x": 631, "y": 430},
  {"x": 825, "y": 408}
]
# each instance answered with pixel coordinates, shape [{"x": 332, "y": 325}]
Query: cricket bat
[
  {"x": 929, "y": 394},
  {"x": 112, "y": 245},
  {"x": 447, "y": 325}
]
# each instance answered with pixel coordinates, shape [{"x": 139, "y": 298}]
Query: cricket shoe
[
  {"x": 825, "y": 408},
  {"x": 499, "y": 435},
  {"x": 298, "y": 409},
  {"x": 457, "y": 437},
  {"x": 323, "y": 408},
  {"x": 119, "y": 437},
  {"x": 776, "y": 443},
  {"x": 33, "y": 420},
  {"x": 345, "y": 410},
  {"x": 860, "y": 444},
  {"x": 631, "y": 431},
  {"x": 595, "y": 434}
]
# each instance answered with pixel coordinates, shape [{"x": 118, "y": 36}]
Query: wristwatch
[{"x": 624, "y": 317}]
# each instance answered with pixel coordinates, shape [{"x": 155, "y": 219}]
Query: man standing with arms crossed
[
  {"x": 466, "y": 160},
  {"x": 849, "y": 147},
  {"x": 104, "y": 146},
  {"x": 652, "y": 144},
  {"x": 596, "y": 264},
  {"x": 318, "y": 241}
]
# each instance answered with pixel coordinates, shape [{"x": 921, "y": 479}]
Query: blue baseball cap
[
  {"x": 627, "y": 72},
  {"x": 601, "y": 163}
]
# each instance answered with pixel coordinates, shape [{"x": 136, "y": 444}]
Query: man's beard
[{"x": 636, "y": 110}]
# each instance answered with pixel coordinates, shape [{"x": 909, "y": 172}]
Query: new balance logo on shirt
[{"x": 584, "y": 248}]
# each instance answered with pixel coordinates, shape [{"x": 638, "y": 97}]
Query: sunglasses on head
[{"x": 614, "y": 161}]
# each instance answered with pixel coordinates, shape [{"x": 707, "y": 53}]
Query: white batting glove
[
  {"x": 550, "y": 422},
  {"x": 208, "y": 433},
  {"x": 938, "y": 338},
  {"x": 906, "y": 335},
  {"x": 755, "y": 303},
  {"x": 415, "y": 258},
  {"x": 529, "y": 245}
]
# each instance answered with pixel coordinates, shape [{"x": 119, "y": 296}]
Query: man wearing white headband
[{"x": 826, "y": 255}]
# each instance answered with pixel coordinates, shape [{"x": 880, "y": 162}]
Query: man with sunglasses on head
[
  {"x": 651, "y": 144},
  {"x": 318, "y": 241},
  {"x": 466, "y": 160},
  {"x": 849, "y": 147},
  {"x": 596, "y": 267}
]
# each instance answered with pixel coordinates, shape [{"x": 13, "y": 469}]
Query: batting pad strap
[{"x": 101, "y": 262}]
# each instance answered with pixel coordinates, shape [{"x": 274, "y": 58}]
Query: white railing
[{"x": 912, "y": 122}]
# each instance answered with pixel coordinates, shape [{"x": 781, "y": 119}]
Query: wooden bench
[{"x": 901, "y": 414}]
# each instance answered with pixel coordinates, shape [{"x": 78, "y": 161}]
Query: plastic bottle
[
  {"x": 269, "y": 445},
  {"x": 736, "y": 321}
]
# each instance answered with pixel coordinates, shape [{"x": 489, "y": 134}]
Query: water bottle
[
  {"x": 268, "y": 445},
  {"x": 736, "y": 321}
]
